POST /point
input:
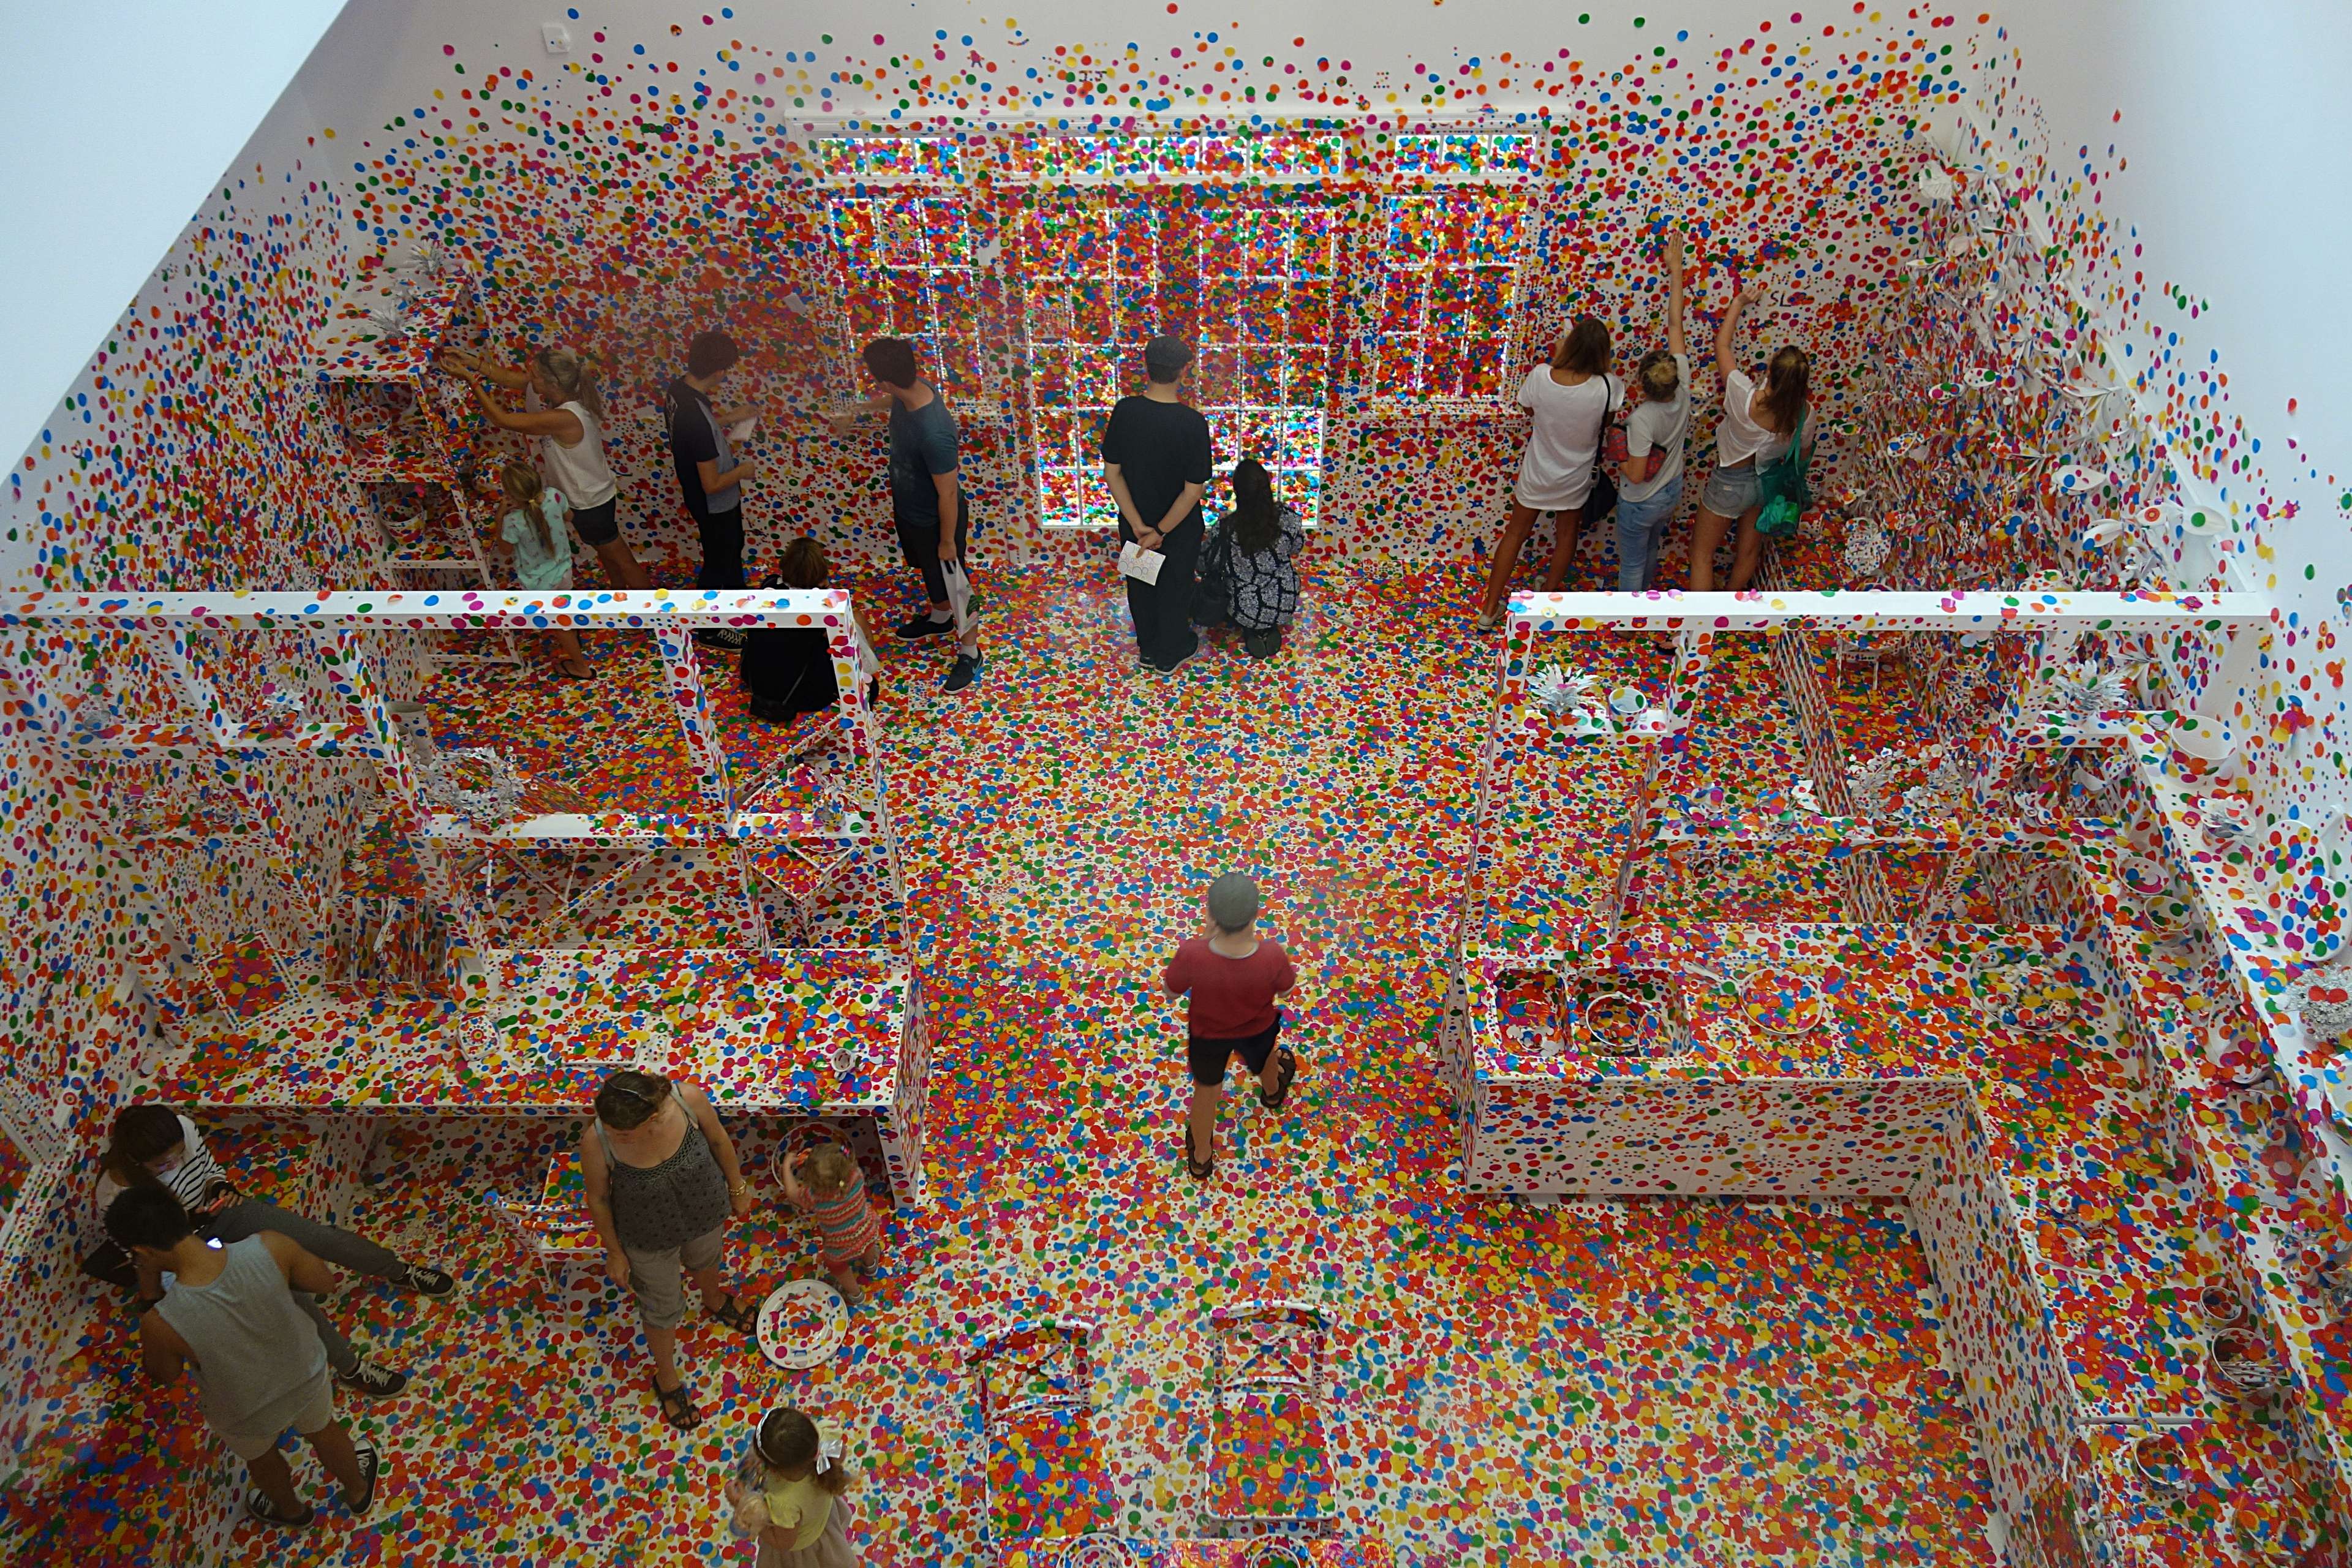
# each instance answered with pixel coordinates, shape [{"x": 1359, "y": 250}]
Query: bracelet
[{"x": 733, "y": 1187}]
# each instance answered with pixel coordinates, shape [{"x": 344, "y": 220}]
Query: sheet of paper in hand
[
  {"x": 741, "y": 430},
  {"x": 1136, "y": 562}
]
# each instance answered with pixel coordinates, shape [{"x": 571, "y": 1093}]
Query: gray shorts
[
  {"x": 1730, "y": 492},
  {"x": 657, "y": 1279},
  {"x": 307, "y": 1409}
]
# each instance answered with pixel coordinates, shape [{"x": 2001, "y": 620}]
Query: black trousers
[
  {"x": 722, "y": 548},
  {"x": 918, "y": 542},
  {"x": 1163, "y": 610}
]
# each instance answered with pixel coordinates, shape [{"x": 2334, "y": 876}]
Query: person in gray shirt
[{"x": 228, "y": 1316}]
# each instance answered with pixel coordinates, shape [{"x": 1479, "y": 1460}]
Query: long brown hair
[
  {"x": 1255, "y": 519},
  {"x": 525, "y": 491},
  {"x": 574, "y": 374},
  {"x": 141, "y": 1132},
  {"x": 1786, "y": 380},
  {"x": 787, "y": 1440},
  {"x": 1584, "y": 348}
]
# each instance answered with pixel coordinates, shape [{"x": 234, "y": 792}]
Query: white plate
[{"x": 785, "y": 1332}]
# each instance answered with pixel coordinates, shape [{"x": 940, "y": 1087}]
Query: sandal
[
  {"x": 1201, "y": 1170},
  {"x": 1290, "y": 1070},
  {"x": 258, "y": 1506},
  {"x": 732, "y": 1312},
  {"x": 678, "y": 1407},
  {"x": 586, "y": 672}
]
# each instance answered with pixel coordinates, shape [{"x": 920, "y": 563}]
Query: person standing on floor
[
  {"x": 562, "y": 407},
  {"x": 1571, "y": 398},
  {"x": 709, "y": 475},
  {"x": 792, "y": 1496},
  {"x": 1758, "y": 427},
  {"x": 1158, "y": 461},
  {"x": 1650, "y": 488},
  {"x": 925, "y": 496},
  {"x": 154, "y": 1148},
  {"x": 1233, "y": 978},
  {"x": 662, "y": 1181},
  {"x": 234, "y": 1316}
]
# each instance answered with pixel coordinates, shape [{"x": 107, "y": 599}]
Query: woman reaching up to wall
[
  {"x": 1755, "y": 433},
  {"x": 563, "y": 409},
  {"x": 1571, "y": 398}
]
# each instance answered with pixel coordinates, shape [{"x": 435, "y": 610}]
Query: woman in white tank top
[{"x": 562, "y": 409}]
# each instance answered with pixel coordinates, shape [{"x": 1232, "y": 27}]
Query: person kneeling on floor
[
  {"x": 230, "y": 1316},
  {"x": 1250, "y": 561}
]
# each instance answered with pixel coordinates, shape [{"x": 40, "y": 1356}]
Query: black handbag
[{"x": 1213, "y": 594}]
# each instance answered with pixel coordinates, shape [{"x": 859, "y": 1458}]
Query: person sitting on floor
[
  {"x": 788, "y": 671},
  {"x": 1253, "y": 554},
  {"x": 235, "y": 1316},
  {"x": 155, "y": 1147}
]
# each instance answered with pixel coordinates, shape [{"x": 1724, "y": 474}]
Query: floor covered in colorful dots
[{"x": 1682, "y": 1382}]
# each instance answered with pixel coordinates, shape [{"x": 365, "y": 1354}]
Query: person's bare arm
[
  {"x": 714, "y": 482},
  {"x": 598, "y": 1183},
  {"x": 162, "y": 1353},
  {"x": 1674, "y": 264},
  {"x": 514, "y": 378},
  {"x": 736, "y": 414},
  {"x": 951, "y": 504},
  {"x": 714, "y": 1132},
  {"x": 1119, "y": 494},
  {"x": 304, "y": 1269},
  {"x": 1724, "y": 365},
  {"x": 845, "y": 421},
  {"x": 1185, "y": 503}
]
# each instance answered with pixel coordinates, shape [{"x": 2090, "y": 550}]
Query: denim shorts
[{"x": 1731, "y": 492}]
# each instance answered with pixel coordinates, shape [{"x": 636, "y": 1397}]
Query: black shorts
[
  {"x": 1209, "y": 1059},
  {"x": 918, "y": 542},
  {"x": 599, "y": 524}
]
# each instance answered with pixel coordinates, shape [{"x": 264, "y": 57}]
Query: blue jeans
[{"x": 1640, "y": 524}]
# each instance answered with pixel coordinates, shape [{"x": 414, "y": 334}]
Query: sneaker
[
  {"x": 922, "y": 626},
  {"x": 966, "y": 671},
  {"x": 368, "y": 1378},
  {"x": 719, "y": 636},
  {"x": 429, "y": 1282},
  {"x": 370, "y": 1465},
  {"x": 258, "y": 1506}
]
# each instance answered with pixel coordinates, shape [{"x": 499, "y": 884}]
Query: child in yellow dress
[{"x": 788, "y": 1498}]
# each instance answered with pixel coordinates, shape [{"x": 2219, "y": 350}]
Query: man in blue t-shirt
[
  {"x": 709, "y": 475},
  {"x": 925, "y": 496}
]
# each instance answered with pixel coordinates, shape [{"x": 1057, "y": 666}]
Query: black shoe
[
  {"x": 922, "y": 626},
  {"x": 369, "y": 1378},
  {"x": 258, "y": 1506},
  {"x": 370, "y": 1465},
  {"x": 966, "y": 671},
  {"x": 429, "y": 1282},
  {"x": 719, "y": 636}
]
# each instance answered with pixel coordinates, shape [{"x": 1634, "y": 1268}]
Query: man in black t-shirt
[
  {"x": 1157, "y": 460},
  {"x": 709, "y": 475},
  {"x": 926, "y": 495}
]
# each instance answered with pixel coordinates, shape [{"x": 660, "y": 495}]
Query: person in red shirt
[{"x": 1233, "y": 978}]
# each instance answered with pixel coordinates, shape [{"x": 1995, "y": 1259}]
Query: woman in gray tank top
[{"x": 662, "y": 1180}]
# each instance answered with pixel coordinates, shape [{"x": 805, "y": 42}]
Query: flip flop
[
  {"x": 735, "y": 1315},
  {"x": 586, "y": 672},
  {"x": 1200, "y": 1170},
  {"x": 678, "y": 1407},
  {"x": 1281, "y": 1081}
]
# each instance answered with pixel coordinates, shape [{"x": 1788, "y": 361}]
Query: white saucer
[{"x": 785, "y": 1337}]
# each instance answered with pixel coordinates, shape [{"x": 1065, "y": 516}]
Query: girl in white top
[
  {"x": 1754, "y": 432},
  {"x": 1572, "y": 399},
  {"x": 562, "y": 407}
]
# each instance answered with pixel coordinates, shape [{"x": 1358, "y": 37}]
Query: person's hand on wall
[{"x": 843, "y": 424}]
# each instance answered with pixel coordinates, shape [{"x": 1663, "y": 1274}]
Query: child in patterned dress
[{"x": 825, "y": 1183}]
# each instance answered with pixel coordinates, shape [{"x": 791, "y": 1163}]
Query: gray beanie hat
[{"x": 1233, "y": 901}]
